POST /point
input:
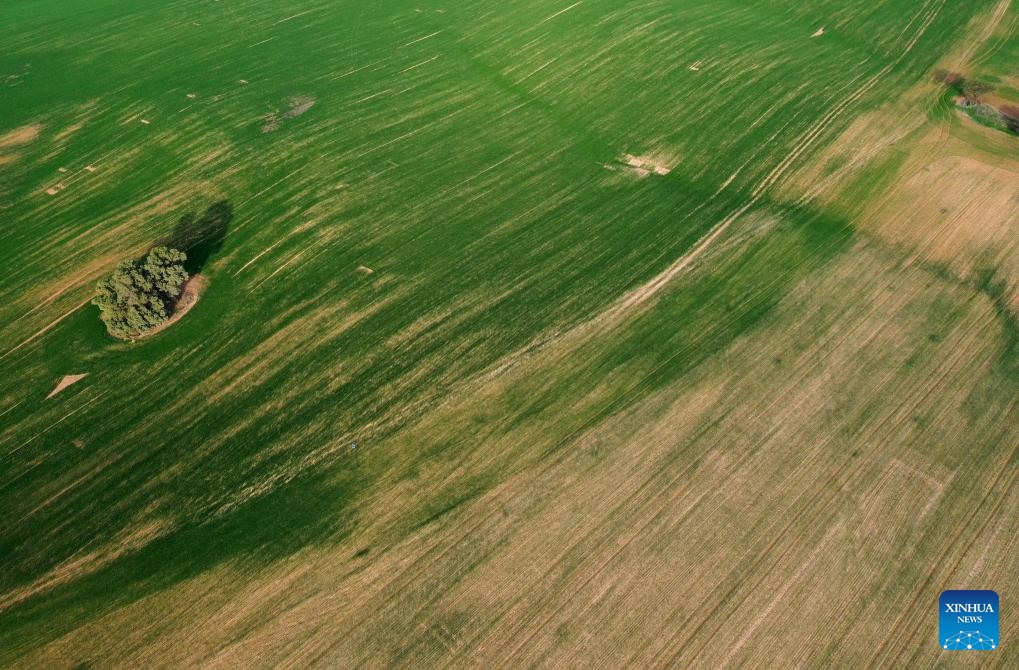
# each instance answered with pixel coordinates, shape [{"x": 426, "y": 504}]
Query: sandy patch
[
  {"x": 65, "y": 382},
  {"x": 53, "y": 190},
  {"x": 824, "y": 175},
  {"x": 646, "y": 165},
  {"x": 20, "y": 136},
  {"x": 820, "y": 31},
  {"x": 9, "y": 159}
]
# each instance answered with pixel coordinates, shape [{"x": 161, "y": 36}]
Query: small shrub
[
  {"x": 987, "y": 115},
  {"x": 973, "y": 89}
]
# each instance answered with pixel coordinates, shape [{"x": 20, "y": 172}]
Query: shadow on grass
[
  {"x": 311, "y": 509},
  {"x": 201, "y": 237}
]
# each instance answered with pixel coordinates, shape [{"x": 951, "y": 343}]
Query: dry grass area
[
  {"x": 16, "y": 139},
  {"x": 20, "y": 136},
  {"x": 690, "y": 517},
  {"x": 952, "y": 200},
  {"x": 959, "y": 212}
]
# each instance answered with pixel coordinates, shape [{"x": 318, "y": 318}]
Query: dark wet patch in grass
[{"x": 310, "y": 509}]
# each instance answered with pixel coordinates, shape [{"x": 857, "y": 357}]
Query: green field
[{"x": 669, "y": 334}]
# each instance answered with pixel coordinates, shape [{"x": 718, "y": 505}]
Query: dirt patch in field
[
  {"x": 297, "y": 106},
  {"x": 189, "y": 295},
  {"x": 9, "y": 159},
  {"x": 646, "y": 165},
  {"x": 820, "y": 31},
  {"x": 65, "y": 382},
  {"x": 20, "y": 136}
]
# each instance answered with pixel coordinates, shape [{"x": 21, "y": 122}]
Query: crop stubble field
[{"x": 670, "y": 335}]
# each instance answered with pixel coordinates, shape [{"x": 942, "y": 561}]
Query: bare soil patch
[
  {"x": 65, "y": 382},
  {"x": 20, "y": 136},
  {"x": 298, "y": 105},
  {"x": 271, "y": 122},
  {"x": 646, "y": 165}
]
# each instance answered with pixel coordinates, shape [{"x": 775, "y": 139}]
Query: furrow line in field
[
  {"x": 927, "y": 391},
  {"x": 307, "y": 657},
  {"x": 654, "y": 498},
  {"x": 993, "y": 515},
  {"x": 732, "y": 473},
  {"x": 893, "y": 634},
  {"x": 908, "y": 402}
]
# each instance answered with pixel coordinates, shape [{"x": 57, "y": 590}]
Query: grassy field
[{"x": 670, "y": 334}]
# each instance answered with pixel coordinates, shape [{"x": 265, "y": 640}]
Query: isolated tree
[{"x": 139, "y": 296}]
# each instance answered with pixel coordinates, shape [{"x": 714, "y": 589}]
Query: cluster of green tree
[
  {"x": 140, "y": 295},
  {"x": 971, "y": 90}
]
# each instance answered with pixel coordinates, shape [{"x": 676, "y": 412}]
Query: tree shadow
[{"x": 201, "y": 237}]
